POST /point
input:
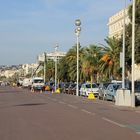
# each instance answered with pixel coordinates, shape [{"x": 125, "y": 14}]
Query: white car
[{"x": 87, "y": 88}]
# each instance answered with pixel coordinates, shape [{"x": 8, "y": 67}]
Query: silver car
[
  {"x": 102, "y": 89},
  {"x": 110, "y": 92}
]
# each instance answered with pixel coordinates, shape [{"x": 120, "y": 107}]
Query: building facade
[
  {"x": 28, "y": 68},
  {"x": 115, "y": 26},
  {"x": 51, "y": 56},
  {"x": 116, "y": 23}
]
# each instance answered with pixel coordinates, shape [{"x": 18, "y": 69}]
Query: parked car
[
  {"x": 110, "y": 92},
  {"x": 70, "y": 89},
  {"x": 136, "y": 90},
  {"x": 73, "y": 88},
  {"x": 87, "y": 88},
  {"x": 102, "y": 88},
  {"x": 65, "y": 87}
]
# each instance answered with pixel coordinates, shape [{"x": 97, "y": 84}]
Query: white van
[
  {"x": 26, "y": 83},
  {"x": 37, "y": 83}
]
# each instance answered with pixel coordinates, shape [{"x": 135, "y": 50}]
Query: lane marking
[
  {"x": 72, "y": 106},
  {"x": 88, "y": 112},
  {"x": 113, "y": 122},
  {"x": 61, "y": 102},
  {"x": 138, "y": 133}
]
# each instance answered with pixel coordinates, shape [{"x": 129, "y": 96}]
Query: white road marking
[
  {"x": 113, "y": 122},
  {"x": 72, "y": 106},
  {"x": 88, "y": 112},
  {"x": 138, "y": 133},
  {"x": 62, "y": 102}
]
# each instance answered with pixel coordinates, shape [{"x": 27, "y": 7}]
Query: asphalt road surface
[{"x": 46, "y": 116}]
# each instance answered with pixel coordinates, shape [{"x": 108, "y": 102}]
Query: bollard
[{"x": 91, "y": 96}]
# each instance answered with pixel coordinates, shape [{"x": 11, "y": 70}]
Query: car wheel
[
  {"x": 113, "y": 99},
  {"x": 99, "y": 97},
  {"x": 105, "y": 97},
  {"x": 86, "y": 94}
]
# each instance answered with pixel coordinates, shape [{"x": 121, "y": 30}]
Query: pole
[
  {"x": 44, "y": 67},
  {"x": 77, "y": 31},
  {"x": 56, "y": 66},
  {"x": 123, "y": 66},
  {"x": 77, "y": 89},
  {"x": 55, "y": 71},
  {"x": 133, "y": 53}
]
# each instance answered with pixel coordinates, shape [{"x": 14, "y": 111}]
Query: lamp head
[{"x": 77, "y": 22}]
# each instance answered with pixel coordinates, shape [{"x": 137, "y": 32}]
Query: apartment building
[
  {"x": 116, "y": 23},
  {"x": 21, "y": 70},
  {"x": 28, "y": 68},
  {"x": 115, "y": 26},
  {"x": 8, "y": 73}
]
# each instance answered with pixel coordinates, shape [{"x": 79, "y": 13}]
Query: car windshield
[
  {"x": 72, "y": 85},
  {"x": 66, "y": 85},
  {"x": 106, "y": 85},
  {"x": 38, "y": 81},
  {"x": 93, "y": 85},
  {"x": 115, "y": 87}
]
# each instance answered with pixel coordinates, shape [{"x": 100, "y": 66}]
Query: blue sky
[{"x": 30, "y": 27}]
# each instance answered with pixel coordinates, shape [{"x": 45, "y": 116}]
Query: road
[{"x": 46, "y": 116}]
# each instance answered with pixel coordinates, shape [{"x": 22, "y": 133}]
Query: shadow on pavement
[{"x": 31, "y": 104}]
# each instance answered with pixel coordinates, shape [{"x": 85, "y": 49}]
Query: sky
[{"x": 30, "y": 27}]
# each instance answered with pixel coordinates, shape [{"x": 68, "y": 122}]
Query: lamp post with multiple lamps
[{"x": 77, "y": 32}]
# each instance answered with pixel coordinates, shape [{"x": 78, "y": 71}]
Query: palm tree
[
  {"x": 69, "y": 64},
  {"x": 50, "y": 69},
  {"x": 90, "y": 62},
  {"x": 109, "y": 63},
  {"x": 63, "y": 70}
]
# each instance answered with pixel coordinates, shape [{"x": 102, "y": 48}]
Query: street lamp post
[
  {"x": 55, "y": 59},
  {"x": 77, "y": 32},
  {"x": 133, "y": 53}
]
